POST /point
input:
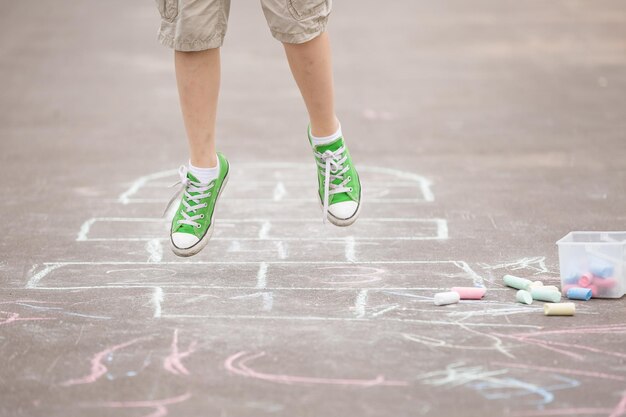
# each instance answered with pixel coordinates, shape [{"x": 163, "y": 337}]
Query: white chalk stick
[{"x": 445, "y": 298}]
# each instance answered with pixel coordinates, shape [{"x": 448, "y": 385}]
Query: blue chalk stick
[
  {"x": 579, "y": 293},
  {"x": 601, "y": 268}
]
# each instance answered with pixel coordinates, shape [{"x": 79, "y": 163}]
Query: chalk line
[
  {"x": 268, "y": 301},
  {"x": 98, "y": 369},
  {"x": 567, "y": 371},
  {"x": 51, "y": 266},
  {"x": 34, "y": 280},
  {"x": 159, "y": 406},
  {"x": 359, "y": 304},
  {"x": 348, "y": 319},
  {"x": 279, "y": 191},
  {"x": 440, "y": 225},
  {"x": 281, "y": 249},
  {"x": 442, "y": 228},
  {"x": 155, "y": 250},
  {"x": 350, "y": 249},
  {"x": 13, "y": 317},
  {"x": 85, "y": 228},
  {"x": 265, "y": 229},
  {"x": 157, "y": 299},
  {"x": 124, "y": 198},
  {"x": 237, "y": 364},
  {"x": 261, "y": 276},
  {"x": 477, "y": 280},
  {"x": 172, "y": 363}
]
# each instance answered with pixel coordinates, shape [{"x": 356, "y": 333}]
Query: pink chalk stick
[
  {"x": 594, "y": 290},
  {"x": 604, "y": 282},
  {"x": 585, "y": 280},
  {"x": 567, "y": 287},
  {"x": 470, "y": 293}
]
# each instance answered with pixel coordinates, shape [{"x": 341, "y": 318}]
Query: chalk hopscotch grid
[{"x": 154, "y": 247}]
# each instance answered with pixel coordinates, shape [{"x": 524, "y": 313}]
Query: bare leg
[
  {"x": 311, "y": 66},
  {"x": 198, "y": 79}
]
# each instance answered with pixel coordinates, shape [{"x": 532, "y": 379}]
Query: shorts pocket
[
  {"x": 168, "y": 9},
  {"x": 304, "y": 9}
]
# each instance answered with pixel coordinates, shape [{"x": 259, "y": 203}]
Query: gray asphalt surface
[{"x": 484, "y": 132}]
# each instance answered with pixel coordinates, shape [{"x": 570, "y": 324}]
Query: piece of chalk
[
  {"x": 585, "y": 279},
  {"x": 551, "y": 287},
  {"x": 517, "y": 282},
  {"x": 578, "y": 293},
  {"x": 470, "y": 293},
  {"x": 542, "y": 294},
  {"x": 559, "y": 309},
  {"x": 601, "y": 268},
  {"x": 445, "y": 298},
  {"x": 535, "y": 284},
  {"x": 604, "y": 282},
  {"x": 572, "y": 278},
  {"x": 524, "y": 297}
]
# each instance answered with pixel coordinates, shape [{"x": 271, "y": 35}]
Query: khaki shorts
[{"x": 195, "y": 25}]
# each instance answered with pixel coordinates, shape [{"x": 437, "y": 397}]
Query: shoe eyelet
[
  {"x": 198, "y": 226},
  {"x": 202, "y": 216},
  {"x": 351, "y": 189},
  {"x": 349, "y": 178}
]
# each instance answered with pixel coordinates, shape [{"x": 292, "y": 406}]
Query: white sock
[
  {"x": 325, "y": 140},
  {"x": 205, "y": 175}
]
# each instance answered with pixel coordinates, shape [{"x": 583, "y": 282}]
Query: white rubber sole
[
  {"x": 207, "y": 236},
  {"x": 343, "y": 222}
]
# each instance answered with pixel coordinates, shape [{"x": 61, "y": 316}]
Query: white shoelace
[
  {"x": 332, "y": 164},
  {"x": 187, "y": 187}
]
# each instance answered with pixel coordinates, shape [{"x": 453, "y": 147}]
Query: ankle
[
  {"x": 318, "y": 140},
  {"x": 325, "y": 129},
  {"x": 203, "y": 161}
]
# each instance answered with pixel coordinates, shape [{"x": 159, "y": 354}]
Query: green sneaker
[
  {"x": 338, "y": 182},
  {"x": 192, "y": 225}
]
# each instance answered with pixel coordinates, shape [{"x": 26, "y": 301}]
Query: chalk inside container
[
  {"x": 445, "y": 298},
  {"x": 577, "y": 293},
  {"x": 559, "y": 309},
  {"x": 470, "y": 293}
]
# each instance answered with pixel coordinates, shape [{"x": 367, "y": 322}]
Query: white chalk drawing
[
  {"x": 536, "y": 264},
  {"x": 378, "y": 290}
]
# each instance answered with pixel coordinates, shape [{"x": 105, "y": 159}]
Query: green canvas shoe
[
  {"x": 192, "y": 225},
  {"x": 338, "y": 182}
]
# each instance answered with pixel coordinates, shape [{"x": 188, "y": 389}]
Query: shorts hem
[
  {"x": 301, "y": 37},
  {"x": 191, "y": 45}
]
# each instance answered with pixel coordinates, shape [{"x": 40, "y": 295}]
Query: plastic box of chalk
[{"x": 594, "y": 260}]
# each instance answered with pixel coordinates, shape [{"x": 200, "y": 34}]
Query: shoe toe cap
[
  {"x": 343, "y": 209},
  {"x": 184, "y": 240}
]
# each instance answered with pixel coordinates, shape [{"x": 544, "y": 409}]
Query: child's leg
[
  {"x": 311, "y": 66},
  {"x": 196, "y": 29},
  {"x": 198, "y": 79}
]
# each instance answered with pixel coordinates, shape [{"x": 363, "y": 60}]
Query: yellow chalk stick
[
  {"x": 559, "y": 309},
  {"x": 552, "y": 287},
  {"x": 536, "y": 284}
]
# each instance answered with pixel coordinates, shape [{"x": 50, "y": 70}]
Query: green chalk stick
[
  {"x": 524, "y": 297},
  {"x": 517, "y": 282},
  {"x": 542, "y": 294}
]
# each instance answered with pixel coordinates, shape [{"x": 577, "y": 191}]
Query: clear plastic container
[{"x": 595, "y": 260}]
